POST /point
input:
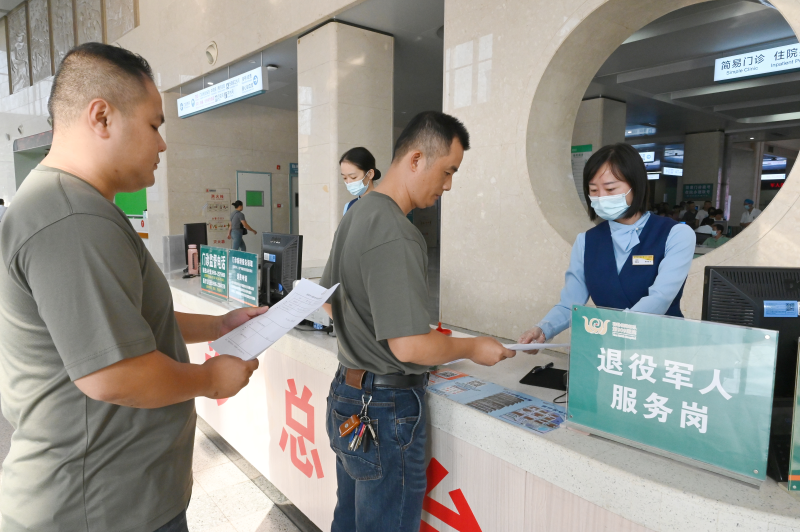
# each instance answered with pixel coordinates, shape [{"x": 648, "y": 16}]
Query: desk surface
[{"x": 624, "y": 480}]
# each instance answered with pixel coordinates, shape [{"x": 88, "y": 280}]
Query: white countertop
[{"x": 657, "y": 492}]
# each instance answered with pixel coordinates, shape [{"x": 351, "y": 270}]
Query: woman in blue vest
[
  {"x": 359, "y": 173},
  {"x": 632, "y": 260}
]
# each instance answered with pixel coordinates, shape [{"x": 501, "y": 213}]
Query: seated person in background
[
  {"x": 717, "y": 240},
  {"x": 705, "y": 226},
  {"x": 705, "y": 212},
  {"x": 690, "y": 215},
  {"x": 676, "y": 213},
  {"x": 718, "y": 216},
  {"x": 662, "y": 209}
]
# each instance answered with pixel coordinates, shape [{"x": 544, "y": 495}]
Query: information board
[
  {"x": 794, "y": 456},
  {"x": 243, "y": 278},
  {"x": 696, "y": 391},
  {"x": 214, "y": 271},
  {"x": 231, "y": 90},
  {"x": 701, "y": 191}
]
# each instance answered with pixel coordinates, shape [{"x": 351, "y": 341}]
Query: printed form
[{"x": 254, "y": 337}]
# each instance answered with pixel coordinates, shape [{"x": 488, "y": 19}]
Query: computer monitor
[
  {"x": 194, "y": 234},
  {"x": 736, "y": 295},
  {"x": 282, "y": 263}
]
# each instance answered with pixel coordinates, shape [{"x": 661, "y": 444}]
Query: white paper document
[
  {"x": 531, "y": 347},
  {"x": 251, "y": 339}
]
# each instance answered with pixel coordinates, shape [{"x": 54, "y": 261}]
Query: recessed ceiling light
[
  {"x": 252, "y": 61},
  {"x": 752, "y": 138},
  {"x": 210, "y": 82},
  {"x": 272, "y": 67}
]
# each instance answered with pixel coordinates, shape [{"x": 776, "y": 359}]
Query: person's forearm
[
  {"x": 431, "y": 349},
  {"x": 197, "y": 328},
  {"x": 153, "y": 380},
  {"x": 248, "y": 227},
  {"x": 328, "y": 309}
]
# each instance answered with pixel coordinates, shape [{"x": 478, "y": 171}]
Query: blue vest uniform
[{"x": 624, "y": 290}]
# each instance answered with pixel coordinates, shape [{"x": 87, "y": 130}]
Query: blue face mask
[
  {"x": 357, "y": 188},
  {"x": 610, "y": 207}
]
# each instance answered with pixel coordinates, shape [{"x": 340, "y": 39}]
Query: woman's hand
[{"x": 532, "y": 336}]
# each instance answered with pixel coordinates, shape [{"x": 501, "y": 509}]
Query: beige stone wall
[{"x": 513, "y": 214}]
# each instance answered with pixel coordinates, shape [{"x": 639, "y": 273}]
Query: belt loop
[{"x": 368, "y": 382}]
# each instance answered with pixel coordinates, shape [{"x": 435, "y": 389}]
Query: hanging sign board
[
  {"x": 695, "y": 391},
  {"x": 231, "y": 90},
  {"x": 214, "y": 271},
  {"x": 243, "y": 278},
  {"x": 761, "y": 63},
  {"x": 701, "y": 191}
]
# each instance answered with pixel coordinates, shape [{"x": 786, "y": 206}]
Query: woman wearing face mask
[
  {"x": 359, "y": 173},
  {"x": 632, "y": 260}
]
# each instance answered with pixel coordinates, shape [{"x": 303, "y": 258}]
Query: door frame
[{"x": 270, "y": 191}]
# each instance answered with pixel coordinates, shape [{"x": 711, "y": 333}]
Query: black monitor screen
[
  {"x": 194, "y": 234},
  {"x": 283, "y": 260}
]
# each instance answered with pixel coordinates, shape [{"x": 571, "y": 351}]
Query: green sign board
[
  {"x": 695, "y": 391},
  {"x": 701, "y": 191},
  {"x": 214, "y": 271},
  {"x": 243, "y": 277},
  {"x": 582, "y": 148},
  {"x": 794, "y": 460}
]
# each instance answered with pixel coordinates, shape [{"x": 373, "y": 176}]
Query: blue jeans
[
  {"x": 238, "y": 240},
  {"x": 381, "y": 489},
  {"x": 176, "y": 525}
]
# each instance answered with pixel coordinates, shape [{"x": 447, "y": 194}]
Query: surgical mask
[
  {"x": 610, "y": 207},
  {"x": 747, "y": 207},
  {"x": 357, "y": 188}
]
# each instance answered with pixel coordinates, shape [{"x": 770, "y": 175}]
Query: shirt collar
[{"x": 626, "y": 237}]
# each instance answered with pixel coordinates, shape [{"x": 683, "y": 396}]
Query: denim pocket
[
  {"x": 360, "y": 465},
  {"x": 406, "y": 426}
]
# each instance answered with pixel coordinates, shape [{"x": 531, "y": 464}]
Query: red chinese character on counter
[{"x": 305, "y": 431}]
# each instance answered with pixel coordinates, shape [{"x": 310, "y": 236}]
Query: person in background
[
  {"x": 386, "y": 346},
  {"x": 718, "y": 216},
  {"x": 683, "y": 210},
  {"x": 663, "y": 210},
  {"x": 676, "y": 213},
  {"x": 632, "y": 260},
  {"x": 750, "y": 213},
  {"x": 716, "y": 240},
  {"x": 95, "y": 376},
  {"x": 705, "y": 227},
  {"x": 704, "y": 213},
  {"x": 2, "y": 208},
  {"x": 359, "y": 173},
  {"x": 238, "y": 225},
  {"x": 690, "y": 215}
]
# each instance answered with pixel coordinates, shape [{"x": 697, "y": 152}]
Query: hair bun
[{"x": 377, "y": 174}]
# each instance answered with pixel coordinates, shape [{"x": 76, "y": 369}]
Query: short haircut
[
  {"x": 95, "y": 70},
  {"x": 432, "y": 133},
  {"x": 362, "y": 159},
  {"x": 237, "y": 203},
  {"x": 689, "y": 203},
  {"x": 626, "y": 164},
  {"x": 720, "y": 227}
]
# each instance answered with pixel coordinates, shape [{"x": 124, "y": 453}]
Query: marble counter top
[{"x": 653, "y": 491}]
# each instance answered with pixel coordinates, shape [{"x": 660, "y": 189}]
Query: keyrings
[{"x": 359, "y": 427}]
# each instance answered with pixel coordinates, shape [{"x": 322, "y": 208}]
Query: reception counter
[{"x": 493, "y": 476}]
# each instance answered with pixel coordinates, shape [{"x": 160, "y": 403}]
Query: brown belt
[{"x": 355, "y": 379}]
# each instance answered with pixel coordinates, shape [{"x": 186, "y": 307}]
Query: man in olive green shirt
[
  {"x": 94, "y": 373},
  {"x": 717, "y": 239}
]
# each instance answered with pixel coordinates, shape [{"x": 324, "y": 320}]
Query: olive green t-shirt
[
  {"x": 79, "y": 292},
  {"x": 380, "y": 261}
]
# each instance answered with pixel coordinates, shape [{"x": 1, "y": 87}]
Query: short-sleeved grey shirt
[
  {"x": 79, "y": 292},
  {"x": 381, "y": 262},
  {"x": 236, "y": 220}
]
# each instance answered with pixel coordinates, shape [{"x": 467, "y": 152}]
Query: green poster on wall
[
  {"x": 699, "y": 392},
  {"x": 214, "y": 271},
  {"x": 701, "y": 191},
  {"x": 243, "y": 278},
  {"x": 132, "y": 203}
]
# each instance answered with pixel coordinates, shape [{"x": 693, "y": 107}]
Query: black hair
[
  {"x": 95, "y": 70},
  {"x": 362, "y": 159},
  {"x": 626, "y": 164},
  {"x": 719, "y": 226},
  {"x": 432, "y": 133},
  {"x": 237, "y": 203},
  {"x": 707, "y": 221}
]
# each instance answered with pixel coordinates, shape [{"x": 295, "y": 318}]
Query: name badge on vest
[{"x": 642, "y": 260}]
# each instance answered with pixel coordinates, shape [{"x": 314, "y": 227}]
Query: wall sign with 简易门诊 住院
[{"x": 759, "y": 63}]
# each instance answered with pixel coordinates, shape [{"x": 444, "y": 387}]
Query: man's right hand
[
  {"x": 488, "y": 351},
  {"x": 228, "y": 374}
]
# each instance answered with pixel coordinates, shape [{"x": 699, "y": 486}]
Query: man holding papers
[{"x": 376, "y": 417}]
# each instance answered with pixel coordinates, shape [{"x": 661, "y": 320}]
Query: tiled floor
[{"x": 229, "y": 494}]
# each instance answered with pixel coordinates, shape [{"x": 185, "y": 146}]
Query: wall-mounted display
[
  {"x": 18, "y": 58},
  {"x": 39, "y": 25}
]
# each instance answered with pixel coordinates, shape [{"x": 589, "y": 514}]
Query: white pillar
[{"x": 345, "y": 99}]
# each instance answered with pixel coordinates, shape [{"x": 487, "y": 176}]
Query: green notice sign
[
  {"x": 701, "y": 191},
  {"x": 794, "y": 461},
  {"x": 243, "y": 277},
  {"x": 695, "y": 391},
  {"x": 214, "y": 271}
]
